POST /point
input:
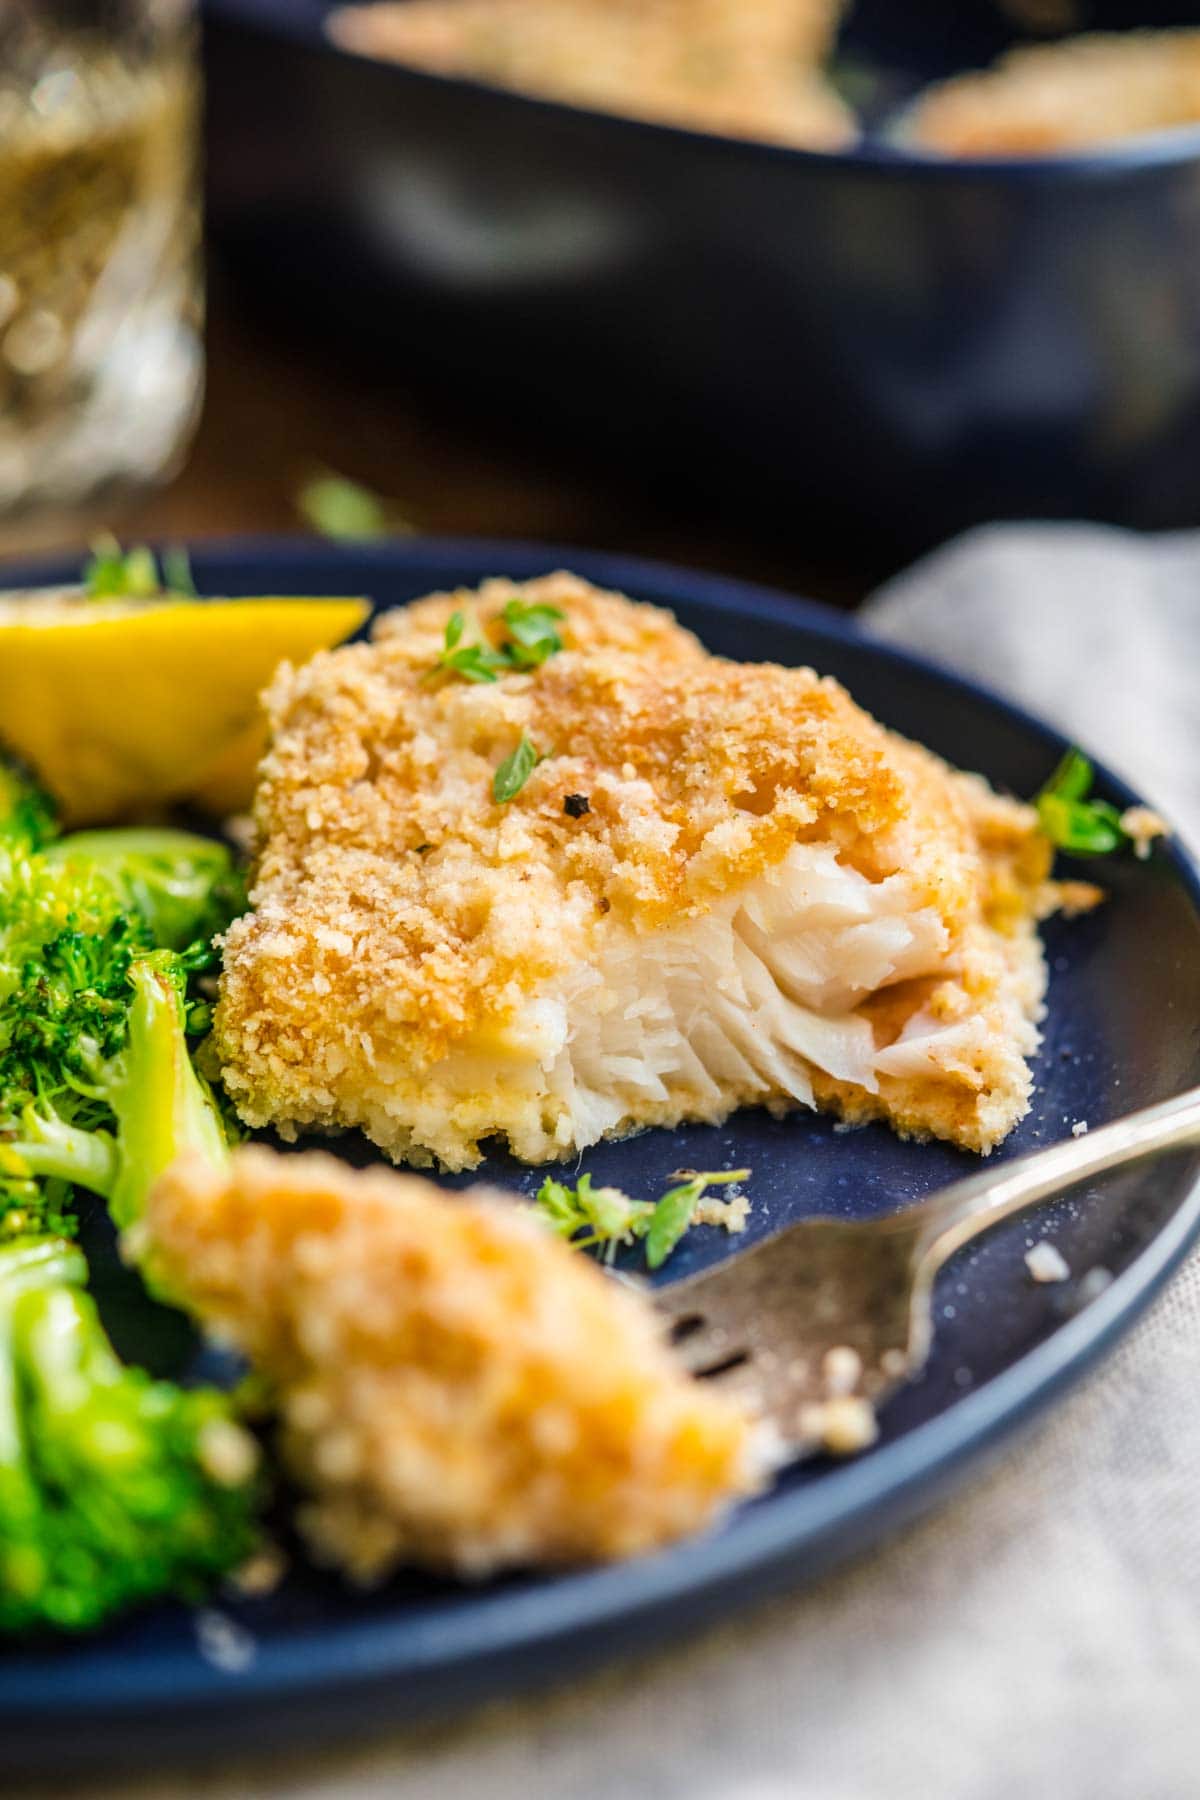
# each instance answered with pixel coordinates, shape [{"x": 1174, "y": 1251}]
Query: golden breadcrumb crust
[
  {"x": 403, "y": 917},
  {"x": 456, "y": 1386},
  {"x": 746, "y": 68},
  {"x": 1093, "y": 89}
]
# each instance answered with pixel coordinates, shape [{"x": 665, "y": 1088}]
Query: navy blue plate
[{"x": 1123, "y": 1031}]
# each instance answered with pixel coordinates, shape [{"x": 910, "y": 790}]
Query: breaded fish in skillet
[
  {"x": 722, "y": 885},
  {"x": 747, "y": 68},
  {"x": 1079, "y": 92}
]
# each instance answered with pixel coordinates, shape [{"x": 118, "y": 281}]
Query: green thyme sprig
[
  {"x": 474, "y": 662},
  {"x": 111, "y": 573},
  {"x": 593, "y": 1218},
  {"x": 1070, "y": 819},
  {"x": 602, "y": 1219},
  {"x": 673, "y": 1214},
  {"x": 532, "y": 638},
  {"x": 532, "y": 632},
  {"x": 347, "y": 512}
]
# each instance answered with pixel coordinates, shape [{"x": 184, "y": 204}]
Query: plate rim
[{"x": 817, "y": 1525}]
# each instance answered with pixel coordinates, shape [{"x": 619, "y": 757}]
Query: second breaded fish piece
[
  {"x": 724, "y": 885},
  {"x": 456, "y": 1387}
]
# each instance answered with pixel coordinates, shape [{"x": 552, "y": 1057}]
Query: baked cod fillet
[
  {"x": 455, "y": 1386},
  {"x": 725, "y": 885}
]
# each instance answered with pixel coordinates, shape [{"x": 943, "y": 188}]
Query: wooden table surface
[{"x": 278, "y": 408}]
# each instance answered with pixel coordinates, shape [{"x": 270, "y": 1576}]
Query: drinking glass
[{"x": 101, "y": 361}]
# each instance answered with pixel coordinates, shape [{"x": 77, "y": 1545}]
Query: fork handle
[{"x": 955, "y": 1215}]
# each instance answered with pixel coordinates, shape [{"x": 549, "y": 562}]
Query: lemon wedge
[{"x": 122, "y": 707}]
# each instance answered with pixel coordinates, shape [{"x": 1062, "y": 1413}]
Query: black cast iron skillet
[{"x": 870, "y": 337}]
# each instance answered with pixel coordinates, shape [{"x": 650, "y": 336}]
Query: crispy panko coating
[
  {"x": 457, "y": 1387},
  {"x": 769, "y": 899},
  {"x": 744, "y": 68},
  {"x": 1083, "y": 91}
]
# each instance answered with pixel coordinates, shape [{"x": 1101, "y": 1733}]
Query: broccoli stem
[
  {"x": 52, "y": 1147},
  {"x": 76, "y": 1389},
  {"x": 23, "y": 1267},
  {"x": 107, "y": 1492},
  {"x": 162, "y": 1109},
  {"x": 21, "y": 1566}
]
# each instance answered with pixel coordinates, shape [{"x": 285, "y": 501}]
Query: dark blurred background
[{"x": 518, "y": 319}]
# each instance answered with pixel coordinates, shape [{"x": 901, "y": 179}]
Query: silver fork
[{"x": 818, "y": 1324}]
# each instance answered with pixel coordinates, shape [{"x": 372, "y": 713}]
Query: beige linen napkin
[
  {"x": 1096, "y": 629},
  {"x": 1040, "y": 1635}
]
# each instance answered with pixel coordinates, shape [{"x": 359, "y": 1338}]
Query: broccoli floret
[
  {"x": 52, "y": 913},
  {"x": 183, "y": 887},
  {"x": 26, "y": 811},
  {"x": 113, "y": 1487},
  {"x": 99, "y": 1090},
  {"x": 96, "y": 1083}
]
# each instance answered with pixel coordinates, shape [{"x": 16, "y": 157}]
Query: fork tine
[
  {"x": 806, "y": 1326},
  {"x": 709, "y": 1346}
]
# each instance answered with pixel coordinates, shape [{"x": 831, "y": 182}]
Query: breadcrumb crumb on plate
[
  {"x": 769, "y": 900},
  {"x": 1143, "y": 826},
  {"x": 1046, "y": 1263},
  {"x": 457, "y": 1387}
]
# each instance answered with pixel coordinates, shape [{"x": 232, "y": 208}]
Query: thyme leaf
[
  {"x": 602, "y": 1219},
  {"x": 532, "y": 632},
  {"x": 335, "y": 507},
  {"x": 1072, "y": 821},
  {"x": 514, "y": 772},
  {"x": 673, "y": 1214},
  {"x": 111, "y": 573},
  {"x": 532, "y": 638}
]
